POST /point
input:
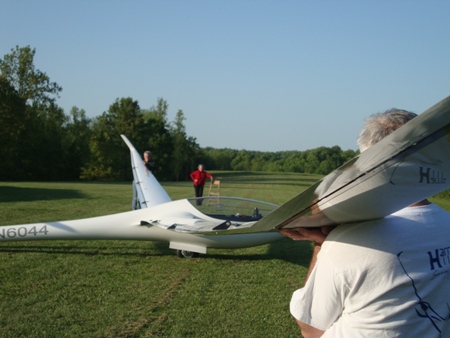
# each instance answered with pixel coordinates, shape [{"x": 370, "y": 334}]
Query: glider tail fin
[{"x": 147, "y": 191}]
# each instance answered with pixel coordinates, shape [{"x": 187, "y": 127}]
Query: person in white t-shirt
[{"x": 384, "y": 278}]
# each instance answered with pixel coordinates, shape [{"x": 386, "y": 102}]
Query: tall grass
[{"x": 141, "y": 289}]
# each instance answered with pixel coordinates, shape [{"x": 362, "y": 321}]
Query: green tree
[
  {"x": 158, "y": 138},
  {"x": 47, "y": 142},
  {"x": 295, "y": 163},
  {"x": 146, "y": 129},
  {"x": 110, "y": 158},
  {"x": 160, "y": 142},
  {"x": 12, "y": 131},
  {"x": 39, "y": 124},
  {"x": 180, "y": 145},
  {"x": 185, "y": 150},
  {"x": 242, "y": 161},
  {"x": 31, "y": 84},
  {"x": 77, "y": 135},
  {"x": 220, "y": 159},
  {"x": 158, "y": 112}
]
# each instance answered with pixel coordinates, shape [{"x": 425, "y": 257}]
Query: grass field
[{"x": 141, "y": 289}]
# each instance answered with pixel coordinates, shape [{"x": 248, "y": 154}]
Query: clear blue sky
[{"x": 258, "y": 75}]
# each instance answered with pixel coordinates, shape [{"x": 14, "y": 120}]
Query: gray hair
[
  {"x": 378, "y": 126},
  {"x": 148, "y": 152}
]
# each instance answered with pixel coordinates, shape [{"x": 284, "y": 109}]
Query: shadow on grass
[
  {"x": 156, "y": 249},
  {"x": 295, "y": 252},
  {"x": 287, "y": 250},
  {"x": 17, "y": 194}
]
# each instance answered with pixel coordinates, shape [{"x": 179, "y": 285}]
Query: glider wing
[
  {"x": 148, "y": 190},
  {"x": 407, "y": 166}
]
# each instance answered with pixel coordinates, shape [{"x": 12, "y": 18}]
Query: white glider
[
  {"x": 189, "y": 229},
  {"x": 407, "y": 166}
]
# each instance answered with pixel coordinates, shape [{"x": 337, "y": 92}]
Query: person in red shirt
[{"x": 199, "y": 177}]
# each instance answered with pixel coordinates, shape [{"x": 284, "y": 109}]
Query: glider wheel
[{"x": 187, "y": 254}]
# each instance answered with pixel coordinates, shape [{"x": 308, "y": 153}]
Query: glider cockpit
[{"x": 210, "y": 215}]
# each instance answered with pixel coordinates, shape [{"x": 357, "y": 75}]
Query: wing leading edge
[{"x": 407, "y": 166}]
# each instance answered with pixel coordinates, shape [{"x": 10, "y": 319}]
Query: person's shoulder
[
  {"x": 382, "y": 232},
  {"x": 421, "y": 212},
  {"x": 355, "y": 229},
  {"x": 360, "y": 234}
]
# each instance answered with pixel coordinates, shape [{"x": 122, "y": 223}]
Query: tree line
[
  {"x": 320, "y": 160},
  {"x": 39, "y": 141}
]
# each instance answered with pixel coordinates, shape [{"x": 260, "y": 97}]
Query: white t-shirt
[{"x": 382, "y": 278}]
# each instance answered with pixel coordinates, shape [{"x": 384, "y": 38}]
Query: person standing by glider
[
  {"x": 199, "y": 178},
  {"x": 149, "y": 163}
]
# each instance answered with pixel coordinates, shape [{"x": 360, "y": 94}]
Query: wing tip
[{"x": 127, "y": 142}]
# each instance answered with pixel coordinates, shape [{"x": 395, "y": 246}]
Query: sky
[{"x": 266, "y": 75}]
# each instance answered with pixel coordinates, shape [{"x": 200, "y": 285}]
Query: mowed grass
[
  {"x": 137, "y": 288},
  {"x": 141, "y": 289}
]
